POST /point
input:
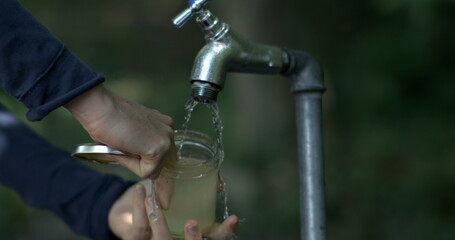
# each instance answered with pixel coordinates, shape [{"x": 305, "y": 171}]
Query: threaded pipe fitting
[{"x": 204, "y": 92}]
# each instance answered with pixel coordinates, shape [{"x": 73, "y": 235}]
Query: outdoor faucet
[{"x": 226, "y": 51}]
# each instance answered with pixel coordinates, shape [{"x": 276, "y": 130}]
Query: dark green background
[{"x": 389, "y": 112}]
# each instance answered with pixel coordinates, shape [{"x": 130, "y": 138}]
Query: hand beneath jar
[
  {"x": 126, "y": 126},
  {"x": 129, "y": 220}
]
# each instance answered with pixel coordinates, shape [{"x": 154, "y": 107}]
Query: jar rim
[{"x": 206, "y": 161}]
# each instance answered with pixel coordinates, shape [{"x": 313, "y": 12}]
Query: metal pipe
[
  {"x": 307, "y": 85},
  {"x": 311, "y": 173}
]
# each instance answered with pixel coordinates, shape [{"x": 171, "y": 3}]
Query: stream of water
[{"x": 216, "y": 120}]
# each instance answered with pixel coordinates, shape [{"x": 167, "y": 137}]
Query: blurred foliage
[{"x": 389, "y": 110}]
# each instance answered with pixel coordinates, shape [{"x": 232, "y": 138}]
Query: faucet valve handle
[{"x": 194, "y": 6}]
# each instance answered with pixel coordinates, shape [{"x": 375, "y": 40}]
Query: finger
[
  {"x": 140, "y": 229},
  {"x": 169, "y": 156},
  {"x": 132, "y": 163},
  {"x": 166, "y": 119},
  {"x": 151, "y": 168},
  {"x": 157, "y": 222},
  {"x": 149, "y": 157},
  {"x": 142, "y": 168},
  {"x": 224, "y": 231},
  {"x": 163, "y": 150},
  {"x": 160, "y": 116},
  {"x": 192, "y": 231},
  {"x": 164, "y": 187}
]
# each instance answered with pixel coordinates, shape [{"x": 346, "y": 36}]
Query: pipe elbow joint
[{"x": 304, "y": 71}]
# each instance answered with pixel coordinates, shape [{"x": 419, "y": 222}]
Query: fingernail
[
  {"x": 139, "y": 189},
  {"x": 193, "y": 229}
]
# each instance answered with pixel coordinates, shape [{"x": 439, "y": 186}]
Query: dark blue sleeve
[
  {"x": 35, "y": 67},
  {"x": 47, "y": 177}
]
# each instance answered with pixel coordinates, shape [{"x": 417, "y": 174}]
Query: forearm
[
  {"x": 36, "y": 68},
  {"x": 47, "y": 177}
]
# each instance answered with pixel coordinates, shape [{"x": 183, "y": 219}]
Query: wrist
[{"x": 91, "y": 106}]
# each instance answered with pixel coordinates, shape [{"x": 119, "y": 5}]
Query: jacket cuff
[{"x": 67, "y": 78}]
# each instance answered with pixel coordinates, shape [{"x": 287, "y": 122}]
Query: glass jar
[{"x": 186, "y": 188}]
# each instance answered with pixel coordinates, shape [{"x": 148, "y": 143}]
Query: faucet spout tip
[{"x": 204, "y": 92}]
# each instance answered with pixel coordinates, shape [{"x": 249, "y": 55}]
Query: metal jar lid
[{"x": 97, "y": 152}]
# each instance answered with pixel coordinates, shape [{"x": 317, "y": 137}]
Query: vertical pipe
[
  {"x": 308, "y": 85},
  {"x": 311, "y": 172}
]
